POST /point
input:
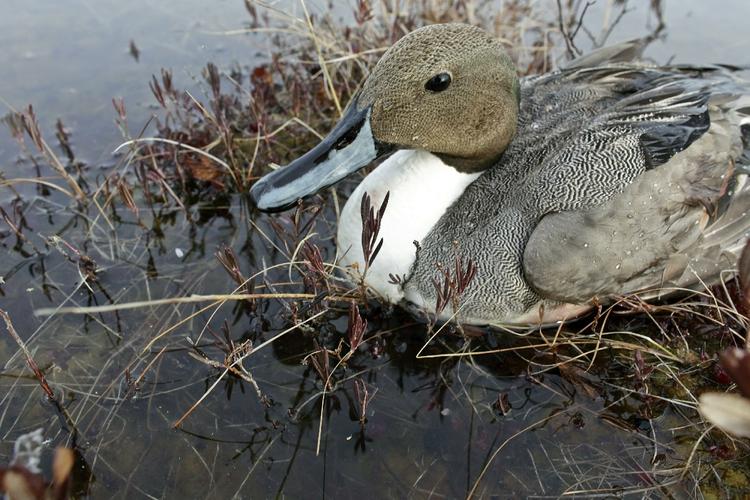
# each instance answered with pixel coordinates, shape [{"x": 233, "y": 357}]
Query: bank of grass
[{"x": 643, "y": 360}]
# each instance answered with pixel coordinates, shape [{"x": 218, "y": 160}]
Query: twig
[
  {"x": 180, "y": 145},
  {"x": 321, "y": 59},
  {"x": 38, "y": 373},
  {"x": 29, "y": 360},
  {"x": 238, "y": 361},
  {"x": 48, "y": 311},
  {"x": 608, "y": 31},
  {"x": 504, "y": 443},
  {"x": 32, "y": 129},
  {"x": 580, "y": 20},
  {"x": 566, "y": 37},
  {"x": 569, "y": 37}
]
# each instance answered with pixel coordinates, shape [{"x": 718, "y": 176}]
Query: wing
[{"x": 678, "y": 224}]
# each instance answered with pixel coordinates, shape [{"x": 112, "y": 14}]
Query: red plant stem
[
  {"x": 29, "y": 360},
  {"x": 63, "y": 413}
]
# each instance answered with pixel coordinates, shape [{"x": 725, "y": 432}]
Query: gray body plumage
[{"x": 621, "y": 177}]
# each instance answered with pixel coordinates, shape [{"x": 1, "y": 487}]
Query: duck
[{"x": 530, "y": 200}]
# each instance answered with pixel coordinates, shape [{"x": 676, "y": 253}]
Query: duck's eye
[{"x": 438, "y": 83}]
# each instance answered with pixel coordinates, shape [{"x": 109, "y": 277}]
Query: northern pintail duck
[{"x": 600, "y": 179}]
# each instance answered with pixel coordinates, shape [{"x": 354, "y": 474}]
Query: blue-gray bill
[{"x": 349, "y": 147}]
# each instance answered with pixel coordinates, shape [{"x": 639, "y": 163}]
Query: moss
[{"x": 736, "y": 479}]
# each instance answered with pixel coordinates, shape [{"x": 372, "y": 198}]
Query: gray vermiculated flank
[{"x": 604, "y": 190}]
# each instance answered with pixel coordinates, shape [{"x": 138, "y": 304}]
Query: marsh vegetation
[{"x": 182, "y": 344}]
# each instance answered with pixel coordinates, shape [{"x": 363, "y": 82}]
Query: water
[{"x": 432, "y": 424}]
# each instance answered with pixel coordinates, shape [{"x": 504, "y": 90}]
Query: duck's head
[{"x": 449, "y": 89}]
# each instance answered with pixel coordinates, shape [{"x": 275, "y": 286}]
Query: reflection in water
[{"x": 534, "y": 417}]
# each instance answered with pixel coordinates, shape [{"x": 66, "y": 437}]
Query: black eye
[{"x": 438, "y": 83}]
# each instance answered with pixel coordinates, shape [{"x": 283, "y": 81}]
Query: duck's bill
[{"x": 349, "y": 147}]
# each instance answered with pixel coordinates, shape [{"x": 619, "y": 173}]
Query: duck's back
[{"x": 621, "y": 177}]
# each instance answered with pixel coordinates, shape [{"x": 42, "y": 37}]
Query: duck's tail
[
  {"x": 624, "y": 52},
  {"x": 728, "y": 229}
]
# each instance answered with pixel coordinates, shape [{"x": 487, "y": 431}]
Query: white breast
[{"x": 421, "y": 188}]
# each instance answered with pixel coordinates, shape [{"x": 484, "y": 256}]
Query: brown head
[{"x": 449, "y": 89}]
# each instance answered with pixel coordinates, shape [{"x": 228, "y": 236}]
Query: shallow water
[{"x": 432, "y": 424}]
